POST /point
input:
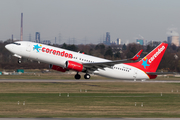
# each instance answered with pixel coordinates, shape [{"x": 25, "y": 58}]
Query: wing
[{"x": 102, "y": 65}]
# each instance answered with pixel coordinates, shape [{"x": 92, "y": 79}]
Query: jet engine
[
  {"x": 57, "y": 68},
  {"x": 71, "y": 65}
]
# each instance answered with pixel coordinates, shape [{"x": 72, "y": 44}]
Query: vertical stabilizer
[{"x": 151, "y": 61}]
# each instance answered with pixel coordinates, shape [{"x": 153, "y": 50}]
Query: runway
[
  {"x": 89, "y": 118},
  {"x": 50, "y": 81}
]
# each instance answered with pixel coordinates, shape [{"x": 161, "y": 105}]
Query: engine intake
[{"x": 74, "y": 66}]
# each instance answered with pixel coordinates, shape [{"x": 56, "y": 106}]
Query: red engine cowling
[
  {"x": 74, "y": 66},
  {"x": 57, "y": 68}
]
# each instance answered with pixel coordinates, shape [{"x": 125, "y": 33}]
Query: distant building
[
  {"x": 153, "y": 43},
  {"x": 107, "y": 41},
  {"x": 173, "y": 40},
  {"x": 48, "y": 42},
  {"x": 37, "y": 37},
  {"x": 113, "y": 43},
  {"x": 118, "y": 41},
  {"x": 140, "y": 41}
]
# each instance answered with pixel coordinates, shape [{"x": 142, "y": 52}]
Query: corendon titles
[
  {"x": 156, "y": 54},
  {"x": 58, "y": 53}
]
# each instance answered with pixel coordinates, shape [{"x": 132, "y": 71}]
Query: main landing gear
[
  {"x": 19, "y": 61},
  {"x": 86, "y": 76},
  {"x": 77, "y": 76}
]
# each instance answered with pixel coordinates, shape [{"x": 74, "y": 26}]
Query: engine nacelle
[
  {"x": 57, "y": 68},
  {"x": 71, "y": 65}
]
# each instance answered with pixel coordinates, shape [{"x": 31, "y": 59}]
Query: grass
[
  {"x": 47, "y": 76},
  {"x": 89, "y": 105},
  {"x": 103, "y": 87},
  {"x": 109, "y": 100}
]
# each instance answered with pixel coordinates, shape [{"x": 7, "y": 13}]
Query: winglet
[{"x": 137, "y": 56}]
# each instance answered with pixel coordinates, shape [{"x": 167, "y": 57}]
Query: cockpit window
[{"x": 17, "y": 43}]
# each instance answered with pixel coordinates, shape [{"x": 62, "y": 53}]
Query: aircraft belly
[
  {"x": 141, "y": 75},
  {"x": 115, "y": 73}
]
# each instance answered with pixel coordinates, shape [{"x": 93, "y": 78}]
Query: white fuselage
[{"x": 48, "y": 54}]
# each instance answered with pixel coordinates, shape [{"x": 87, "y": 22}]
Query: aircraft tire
[
  {"x": 87, "y": 76},
  {"x": 19, "y": 61},
  {"x": 77, "y": 76}
]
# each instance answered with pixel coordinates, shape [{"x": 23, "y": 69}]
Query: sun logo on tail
[{"x": 145, "y": 63}]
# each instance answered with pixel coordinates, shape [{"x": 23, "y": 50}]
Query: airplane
[{"x": 63, "y": 60}]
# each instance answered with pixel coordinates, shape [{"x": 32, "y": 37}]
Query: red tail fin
[{"x": 151, "y": 61}]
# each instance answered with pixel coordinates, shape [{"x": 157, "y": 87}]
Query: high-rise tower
[
  {"x": 107, "y": 41},
  {"x": 38, "y": 37}
]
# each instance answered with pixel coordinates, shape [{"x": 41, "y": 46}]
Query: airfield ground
[
  {"x": 37, "y": 74},
  {"x": 87, "y": 99}
]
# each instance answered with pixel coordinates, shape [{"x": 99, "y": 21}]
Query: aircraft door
[
  {"x": 135, "y": 74},
  {"x": 28, "y": 49}
]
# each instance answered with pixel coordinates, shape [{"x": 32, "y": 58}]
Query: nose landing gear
[{"x": 19, "y": 61}]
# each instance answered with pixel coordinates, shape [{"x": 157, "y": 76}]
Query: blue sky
[{"x": 89, "y": 19}]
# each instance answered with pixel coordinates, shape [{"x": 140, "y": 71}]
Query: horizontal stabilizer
[{"x": 137, "y": 55}]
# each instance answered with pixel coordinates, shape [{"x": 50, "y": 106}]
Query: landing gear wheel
[
  {"x": 87, "y": 76},
  {"x": 77, "y": 76},
  {"x": 19, "y": 61}
]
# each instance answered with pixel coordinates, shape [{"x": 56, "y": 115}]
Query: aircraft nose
[{"x": 8, "y": 47}]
